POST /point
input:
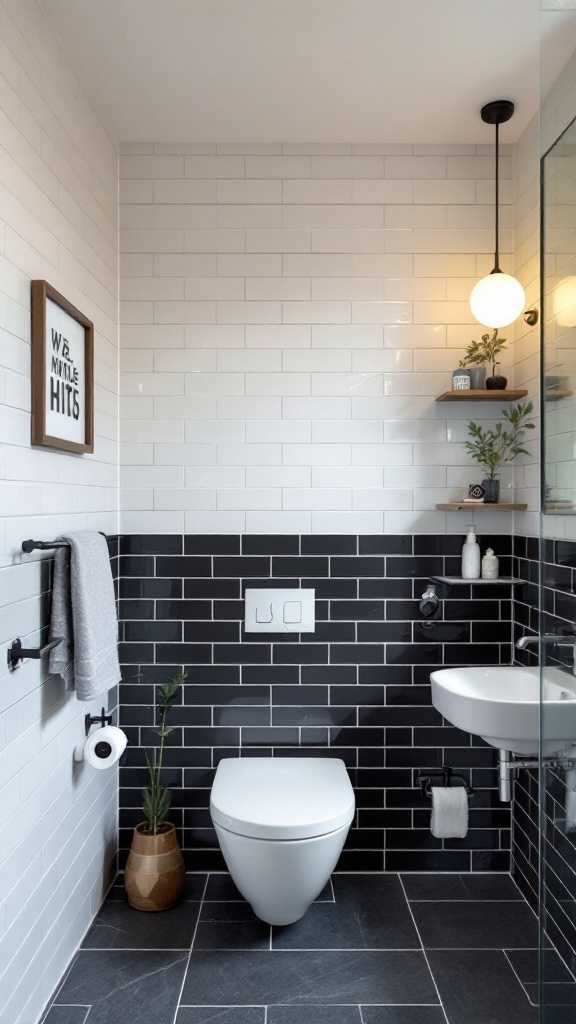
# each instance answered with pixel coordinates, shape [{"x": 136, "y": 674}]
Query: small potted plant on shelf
[
  {"x": 155, "y": 874},
  {"x": 495, "y": 447},
  {"x": 477, "y": 355}
]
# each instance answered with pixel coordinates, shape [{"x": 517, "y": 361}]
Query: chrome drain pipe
[
  {"x": 504, "y": 776},
  {"x": 506, "y": 766}
]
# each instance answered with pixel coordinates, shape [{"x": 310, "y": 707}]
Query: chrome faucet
[
  {"x": 557, "y": 639},
  {"x": 560, "y": 639}
]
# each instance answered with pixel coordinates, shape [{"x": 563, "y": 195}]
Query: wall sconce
[{"x": 498, "y": 299}]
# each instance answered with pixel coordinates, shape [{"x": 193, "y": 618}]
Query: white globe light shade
[{"x": 497, "y": 300}]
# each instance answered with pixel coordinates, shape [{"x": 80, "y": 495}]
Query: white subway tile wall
[
  {"x": 288, "y": 319},
  {"x": 58, "y": 221}
]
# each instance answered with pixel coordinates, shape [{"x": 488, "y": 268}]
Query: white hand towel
[
  {"x": 449, "y": 812},
  {"x": 83, "y": 613}
]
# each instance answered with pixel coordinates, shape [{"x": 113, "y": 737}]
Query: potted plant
[
  {"x": 155, "y": 874},
  {"x": 495, "y": 447},
  {"x": 477, "y": 355}
]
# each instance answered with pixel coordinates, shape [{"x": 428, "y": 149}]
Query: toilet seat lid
[{"x": 281, "y": 797}]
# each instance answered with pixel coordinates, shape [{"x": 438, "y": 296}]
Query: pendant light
[{"x": 498, "y": 299}]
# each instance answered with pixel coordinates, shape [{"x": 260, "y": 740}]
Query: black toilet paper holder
[
  {"x": 100, "y": 720},
  {"x": 447, "y": 774}
]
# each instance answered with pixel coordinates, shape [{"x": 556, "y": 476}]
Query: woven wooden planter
[{"x": 154, "y": 878}]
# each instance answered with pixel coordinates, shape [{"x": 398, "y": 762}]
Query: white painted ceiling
[{"x": 307, "y": 70}]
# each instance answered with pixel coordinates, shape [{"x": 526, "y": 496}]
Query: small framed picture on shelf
[{"x": 62, "y": 372}]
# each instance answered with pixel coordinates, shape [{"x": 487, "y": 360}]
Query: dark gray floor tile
[
  {"x": 221, "y": 888},
  {"x": 475, "y": 925},
  {"x": 126, "y": 987},
  {"x": 555, "y": 994},
  {"x": 403, "y": 1015},
  {"x": 314, "y": 1015},
  {"x": 234, "y": 977},
  {"x": 193, "y": 888},
  {"x": 479, "y": 986},
  {"x": 236, "y": 935},
  {"x": 221, "y": 1015},
  {"x": 369, "y": 912},
  {"x": 119, "y": 926},
  {"x": 66, "y": 1015},
  {"x": 237, "y": 910},
  {"x": 327, "y": 894},
  {"x": 231, "y": 926},
  {"x": 559, "y": 1015},
  {"x": 461, "y": 887},
  {"x": 525, "y": 963}
]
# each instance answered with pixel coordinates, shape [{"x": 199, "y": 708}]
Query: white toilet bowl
[{"x": 281, "y": 823}]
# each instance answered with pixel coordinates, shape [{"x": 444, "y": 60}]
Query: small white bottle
[
  {"x": 471, "y": 556},
  {"x": 490, "y": 565}
]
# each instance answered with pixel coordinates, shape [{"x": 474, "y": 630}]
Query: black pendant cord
[
  {"x": 496, "y": 216},
  {"x": 497, "y": 112}
]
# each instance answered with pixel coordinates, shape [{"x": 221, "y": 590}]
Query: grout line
[
  {"x": 517, "y": 977},
  {"x": 562, "y": 960},
  {"x": 423, "y": 950},
  {"x": 136, "y": 949},
  {"x": 60, "y": 985},
  {"x": 191, "y": 948}
]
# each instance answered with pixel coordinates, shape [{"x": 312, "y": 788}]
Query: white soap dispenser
[
  {"x": 490, "y": 565},
  {"x": 471, "y": 556}
]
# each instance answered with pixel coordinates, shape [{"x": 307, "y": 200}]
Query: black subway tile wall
[
  {"x": 559, "y": 835},
  {"x": 358, "y": 688}
]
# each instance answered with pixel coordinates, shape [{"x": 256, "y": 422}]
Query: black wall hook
[
  {"x": 446, "y": 774},
  {"x": 101, "y": 720}
]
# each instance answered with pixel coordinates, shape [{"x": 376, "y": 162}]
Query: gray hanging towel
[{"x": 84, "y": 614}]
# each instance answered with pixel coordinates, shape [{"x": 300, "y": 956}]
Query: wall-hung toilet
[{"x": 281, "y": 823}]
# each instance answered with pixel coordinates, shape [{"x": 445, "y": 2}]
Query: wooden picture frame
[{"x": 62, "y": 373}]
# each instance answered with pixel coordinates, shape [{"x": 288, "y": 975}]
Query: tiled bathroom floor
[{"x": 373, "y": 949}]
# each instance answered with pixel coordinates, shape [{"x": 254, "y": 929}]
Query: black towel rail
[
  {"x": 16, "y": 652},
  {"x": 47, "y": 545},
  {"x": 43, "y": 545}
]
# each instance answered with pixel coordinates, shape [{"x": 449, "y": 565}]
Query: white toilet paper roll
[
  {"x": 449, "y": 812},
  {"x": 104, "y": 746}
]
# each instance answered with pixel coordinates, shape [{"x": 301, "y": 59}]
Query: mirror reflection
[{"x": 559, "y": 324}]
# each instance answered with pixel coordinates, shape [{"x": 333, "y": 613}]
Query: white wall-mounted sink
[{"x": 501, "y": 704}]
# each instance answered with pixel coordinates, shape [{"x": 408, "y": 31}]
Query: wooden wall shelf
[
  {"x": 483, "y": 396},
  {"x": 472, "y": 506},
  {"x": 555, "y": 396}
]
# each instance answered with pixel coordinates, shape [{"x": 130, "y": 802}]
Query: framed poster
[{"x": 62, "y": 372}]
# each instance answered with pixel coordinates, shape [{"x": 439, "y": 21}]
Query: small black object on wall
[
  {"x": 446, "y": 774},
  {"x": 17, "y": 653},
  {"x": 100, "y": 720}
]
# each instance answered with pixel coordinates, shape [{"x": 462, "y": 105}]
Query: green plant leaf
[
  {"x": 494, "y": 447},
  {"x": 156, "y": 798},
  {"x": 486, "y": 351}
]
